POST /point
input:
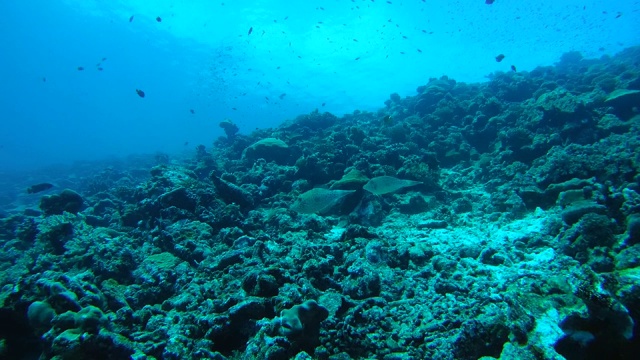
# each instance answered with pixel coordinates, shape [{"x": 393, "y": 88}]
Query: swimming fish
[
  {"x": 387, "y": 120},
  {"x": 250, "y": 30},
  {"x": 38, "y": 188},
  {"x": 387, "y": 184},
  {"x": 192, "y": 111},
  {"x": 140, "y": 93},
  {"x": 131, "y": 18},
  {"x": 159, "y": 19},
  {"x": 282, "y": 96},
  {"x": 513, "y": 68},
  {"x": 489, "y": 2},
  {"x": 80, "y": 68},
  {"x": 499, "y": 57}
]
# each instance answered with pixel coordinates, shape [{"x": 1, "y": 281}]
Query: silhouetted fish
[
  {"x": 489, "y": 2},
  {"x": 159, "y": 19},
  {"x": 140, "y": 93},
  {"x": 80, "y": 68},
  {"x": 131, "y": 18},
  {"x": 192, "y": 111},
  {"x": 499, "y": 57},
  {"x": 513, "y": 68},
  {"x": 38, "y": 188},
  {"x": 282, "y": 96},
  {"x": 250, "y": 30}
]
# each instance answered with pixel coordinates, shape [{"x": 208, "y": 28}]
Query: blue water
[{"x": 337, "y": 56}]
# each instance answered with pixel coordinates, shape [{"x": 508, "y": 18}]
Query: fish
[
  {"x": 499, "y": 57},
  {"x": 489, "y": 2},
  {"x": 80, "y": 68},
  {"x": 387, "y": 120},
  {"x": 192, "y": 111},
  {"x": 282, "y": 96},
  {"x": 99, "y": 68},
  {"x": 131, "y": 18},
  {"x": 140, "y": 93},
  {"x": 38, "y": 188},
  {"x": 323, "y": 104},
  {"x": 44, "y": 79},
  {"x": 250, "y": 30},
  {"x": 158, "y": 19},
  {"x": 513, "y": 68}
]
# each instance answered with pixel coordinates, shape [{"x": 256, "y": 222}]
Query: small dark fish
[
  {"x": 358, "y": 58},
  {"x": 513, "y": 68},
  {"x": 282, "y": 96},
  {"x": 140, "y": 93},
  {"x": 323, "y": 104},
  {"x": 419, "y": 50},
  {"x": 131, "y": 18},
  {"x": 404, "y": 37},
  {"x": 192, "y": 111},
  {"x": 387, "y": 120},
  {"x": 499, "y": 57},
  {"x": 159, "y": 19},
  {"x": 234, "y": 109},
  {"x": 250, "y": 30},
  {"x": 186, "y": 143},
  {"x": 489, "y": 2},
  {"x": 38, "y": 188},
  {"x": 619, "y": 14},
  {"x": 44, "y": 79},
  {"x": 99, "y": 68},
  {"x": 80, "y": 68}
]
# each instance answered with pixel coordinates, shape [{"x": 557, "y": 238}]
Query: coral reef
[{"x": 496, "y": 220}]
